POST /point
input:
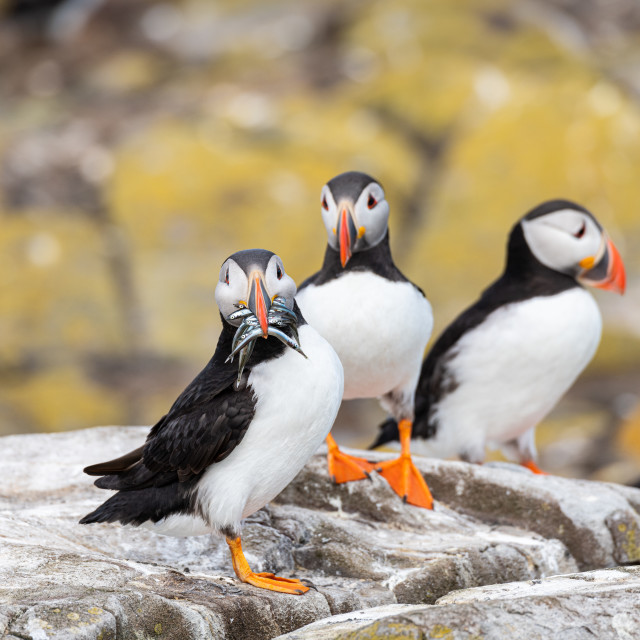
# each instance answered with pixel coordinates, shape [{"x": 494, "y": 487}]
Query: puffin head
[
  {"x": 252, "y": 279},
  {"x": 567, "y": 238},
  {"x": 355, "y": 213}
]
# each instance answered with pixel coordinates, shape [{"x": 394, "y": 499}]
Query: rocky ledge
[{"x": 384, "y": 564}]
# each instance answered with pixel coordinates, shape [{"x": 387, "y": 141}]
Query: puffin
[
  {"x": 499, "y": 368},
  {"x": 377, "y": 320},
  {"x": 239, "y": 432}
]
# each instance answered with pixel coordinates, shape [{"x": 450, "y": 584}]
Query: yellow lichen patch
[
  {"x": 52, "y": 284},
  {"x": 440, "y": 631},
  {"x": 630, "y": 544},
  {"x": 95, "y": 611},
  {"x": 62, "y": 398},
  {"x": 158, "y": 629},
  {"x": 384, "y": 631},
  {"x": 73, "y": 616}
]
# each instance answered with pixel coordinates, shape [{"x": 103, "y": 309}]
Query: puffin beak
[
  {"x": 608, "y": 273},
  {"x": 259, "y": 301},
  {"x": 347, "y": 232}
]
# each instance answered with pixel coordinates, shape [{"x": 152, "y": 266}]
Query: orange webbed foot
[
  {"x": 275, "y": 583},
  {"x": 267, "y": 581},
  {"x": 406, "y": 481},
  {"x": 532, "y": 466},
  {"x": 343, "y": 467}
]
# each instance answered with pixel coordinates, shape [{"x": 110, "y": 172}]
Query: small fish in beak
[{"x": 278, "y": 318}]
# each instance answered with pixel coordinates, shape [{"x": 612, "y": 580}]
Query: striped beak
[
  {"x": 608, "y": 273},
  {"x": 347, "y": 232},
  {"x": 259, "y": 301}
]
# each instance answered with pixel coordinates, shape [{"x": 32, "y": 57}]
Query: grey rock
[
  {"x": 596, "y": 604},
  {"x": 586, "y": 516},
  {"x": 358, "y": 544}
]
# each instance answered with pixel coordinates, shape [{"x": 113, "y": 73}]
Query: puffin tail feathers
[
  {"x": 388, "y": 433},
  {"x": 136, "y": 507},
  {"x": 118, "y": 465}
]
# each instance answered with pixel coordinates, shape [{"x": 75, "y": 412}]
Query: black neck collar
[
  {"x": 525, "y": 276},
  {"x": 376, "y": 260}
]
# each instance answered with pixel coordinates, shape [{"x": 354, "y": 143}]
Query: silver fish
[
  {"x": 249, "y": 336},
  {"x": 243, "y": 312},
  {"x": 242, "y": 332},
  {"x": 283, "y": 337},
  {"x": 279, "y": 318},
  {"x": 245, "y": 354}
]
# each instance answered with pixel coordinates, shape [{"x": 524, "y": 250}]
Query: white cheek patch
[
  {"x": 285, "y": 286},
  {"x": 371, "y": 223},
  {"x": 330, "y": 218},
  {"x": 227, "y": 295},
  {"x": 553, "y": 242},
  {"x": 375, "y": 224}
]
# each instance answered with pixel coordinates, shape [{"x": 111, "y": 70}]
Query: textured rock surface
[
  {"x": 359, "y": 544},
  {"x": 597, "y": 522},
  {"x": 595, "y": 604}
]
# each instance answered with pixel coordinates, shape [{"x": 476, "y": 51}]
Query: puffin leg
[
  {"x": 402, "y": 474},
  {"x": 343, "y": 467},
  {"x": 526, "y": 448},
  {"x": 531, "y": 465},
  {"x": 263, "y": 580}
]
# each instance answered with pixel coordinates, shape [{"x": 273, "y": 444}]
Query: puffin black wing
[{"x": 204, "y": 425}]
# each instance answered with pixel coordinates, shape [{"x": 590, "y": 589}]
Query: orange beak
[
  {"x": 259, "y": 301},
  {"x": 347, "y": 235},
  {"x": 609, "y": 273}
]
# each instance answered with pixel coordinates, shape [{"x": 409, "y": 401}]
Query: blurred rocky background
[{"x": 142, "y": 142}]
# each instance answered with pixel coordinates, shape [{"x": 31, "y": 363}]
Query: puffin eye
[
  {"x": 226, "y": 277},
  {"x": 279, "y": 272},
  {"x": 578, "y": 234},
  {"x": 371, "y": 202},
  {"x": 325, "y": 206}
]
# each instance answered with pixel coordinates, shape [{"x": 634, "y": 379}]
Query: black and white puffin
[
  {"x": 374, "y": 317},
  {"x": 503, "y": 363},
  {"x": 238, "y": 434}
]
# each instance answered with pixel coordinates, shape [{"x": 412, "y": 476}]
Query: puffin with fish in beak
[
  {"x": 501, "y": 366},
  {"x": 240, "y": 432}
]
